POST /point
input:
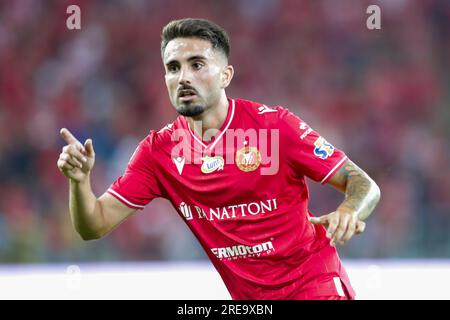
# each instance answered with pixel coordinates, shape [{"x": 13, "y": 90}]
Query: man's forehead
[{"x": 183, "y": 48}]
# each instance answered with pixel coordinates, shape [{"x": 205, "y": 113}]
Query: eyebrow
[{"x": 196, "y": 57}]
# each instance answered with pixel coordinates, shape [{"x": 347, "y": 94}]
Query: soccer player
[{"x": 235, "y": 171}]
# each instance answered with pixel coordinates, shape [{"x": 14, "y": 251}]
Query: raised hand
[{"x": 76, "y": 160}]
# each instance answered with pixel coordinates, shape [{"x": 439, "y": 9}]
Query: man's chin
[{"x": 190, "y": 110}]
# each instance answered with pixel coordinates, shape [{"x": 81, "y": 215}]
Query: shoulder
[
  {"x": 158, "y": 139},
  {"x": 155, "y": 142},
  {"x": 269, "y": 115}
]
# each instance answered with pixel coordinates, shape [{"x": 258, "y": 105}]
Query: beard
[{"x": 189, "y": 110}]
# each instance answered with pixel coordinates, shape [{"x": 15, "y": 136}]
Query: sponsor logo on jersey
[
  {"x": 305, "y": 134},
  {"x": 243, "y": 251},
  {"x": 229, "y": 212},
  {"x": 323, "y": 149},
  {"x": 179, "y": 163},
  {"x": 211, "y": 164},
  {"x": 304, "y": 126},
  {"x": 185, "y": 211},
  {"x": 248, "y": 159},
  {"x": 265, "y": 109}
]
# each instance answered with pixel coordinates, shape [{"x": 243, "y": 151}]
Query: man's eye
[
  {"x": 172, "y": 68},
  {"x": 197, "y": 65}
]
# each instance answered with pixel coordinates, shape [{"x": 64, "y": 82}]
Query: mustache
[{"x": 186, "y": 87}]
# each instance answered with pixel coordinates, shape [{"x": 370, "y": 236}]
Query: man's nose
[{"x": 184, "y": 76}]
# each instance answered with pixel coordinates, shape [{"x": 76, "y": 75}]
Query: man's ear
[{"x": 226, "y": 76}]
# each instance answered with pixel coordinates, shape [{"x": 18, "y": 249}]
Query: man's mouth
[{"x": 186, "y": 94}]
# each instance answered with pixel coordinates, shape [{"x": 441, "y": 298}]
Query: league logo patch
[
  {"x": 248, "y": 159},
  {"x": 323, "y": 149},
  {"x": 211, "y": 164}
]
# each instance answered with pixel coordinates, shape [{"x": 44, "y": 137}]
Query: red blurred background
[{"x": 380, "y": 95}]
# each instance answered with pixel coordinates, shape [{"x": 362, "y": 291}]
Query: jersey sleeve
[
  {"x": 307, "y": 152},
  {"x": 138, "y": 184}
]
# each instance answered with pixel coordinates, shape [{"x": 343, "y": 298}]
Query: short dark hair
[{"x": 196, "y": 28}]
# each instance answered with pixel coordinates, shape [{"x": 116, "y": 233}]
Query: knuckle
[
  {"x": 78, "y": 154},
  {"x": 68, "y": 167},
  {"x": 73, "y": 149},
  {"x": 76, "y": 151},
  {"x": 347, "y": 236}
]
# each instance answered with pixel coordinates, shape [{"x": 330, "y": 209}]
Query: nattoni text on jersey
[{"x": 228, "y": 212}]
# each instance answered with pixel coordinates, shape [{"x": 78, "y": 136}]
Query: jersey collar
[{"x": 223, "y": 129}]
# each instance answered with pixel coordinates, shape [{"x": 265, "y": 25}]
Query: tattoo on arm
[{"x": 361, "y": 192}]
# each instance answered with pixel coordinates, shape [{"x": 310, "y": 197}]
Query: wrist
[
  {"x": 80, "y": 183},
  {"x": 348, "y": 211}
]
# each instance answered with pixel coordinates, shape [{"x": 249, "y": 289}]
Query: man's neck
[{"x": 210, "y": 121}]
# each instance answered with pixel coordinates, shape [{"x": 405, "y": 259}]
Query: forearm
[
  {"x": 361, "y": 194},
  {"x": 85, "y": 210}
]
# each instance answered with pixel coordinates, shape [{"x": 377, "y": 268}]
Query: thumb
[
  {"x": 89, "y": 148},
  {"x": 360, "y": 226}
]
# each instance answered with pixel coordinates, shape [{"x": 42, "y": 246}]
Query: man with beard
[{"x": 212, "y": 162}]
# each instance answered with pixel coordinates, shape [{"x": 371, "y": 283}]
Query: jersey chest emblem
[
  {"x": 211, "y": 164},
  {"x": 248, "y": 159}
]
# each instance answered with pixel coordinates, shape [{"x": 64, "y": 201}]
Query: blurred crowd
[{"x": 380, "y": 95}]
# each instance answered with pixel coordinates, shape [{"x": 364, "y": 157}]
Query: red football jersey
[{"x": 244, "y": 196}]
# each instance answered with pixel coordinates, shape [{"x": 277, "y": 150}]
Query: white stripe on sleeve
[
  {"x": 125, "y": 200},
  {"x": 334, "y": 169}
]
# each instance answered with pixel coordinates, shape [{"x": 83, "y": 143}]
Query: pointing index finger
[
  {"x": 68, "y": 137},
  {"x": 323, "y": 220},
  {"x": 315, "y": 220}
]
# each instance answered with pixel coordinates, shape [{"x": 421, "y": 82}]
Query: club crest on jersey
[
  {"x": 323, "y": 149},
  {"x": 248, "y": 159},
  {"x": 211, "y": 164}
]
